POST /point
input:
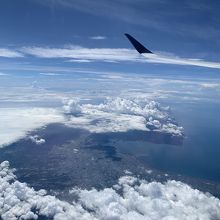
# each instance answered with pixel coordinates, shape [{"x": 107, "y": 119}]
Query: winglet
[{"x": 138, "y": 46}]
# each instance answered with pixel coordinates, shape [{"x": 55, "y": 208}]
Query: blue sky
[{"x": 188, "y": 29}]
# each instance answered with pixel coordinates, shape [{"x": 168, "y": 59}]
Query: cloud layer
[
  {"x": 81, "y": 53},
  {"x": 120, "y": 115},
  {"x": 131, "y": 198},
  {"x": 4, "y": 52},
  {"x": 114, "y": 114},
  {"x": 85, "y": 55},
  {"x": 153, "y": 58},
  {"x": 76, "y": 53},
  {"x": 16, "y": 123}
]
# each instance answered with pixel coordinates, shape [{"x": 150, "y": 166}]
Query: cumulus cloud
[
  {"x": 19, "y": 201},
  {"x": 154, "y": 200},
  {"x": 4, "y": 52},
  {"x": 120, "y": 115},
  {"x": 15, "y": 123},
  {"x": 131, "y": 198},
  {"x": 37, "y": 140},
  {"x": 112, "y": 115}
]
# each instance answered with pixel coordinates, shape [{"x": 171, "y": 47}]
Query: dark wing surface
[{"x": 138, "y": 46}]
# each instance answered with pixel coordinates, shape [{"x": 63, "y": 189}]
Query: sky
[
  {"x": 68, "y": 62},
  {"x": 89, "y": 35}
]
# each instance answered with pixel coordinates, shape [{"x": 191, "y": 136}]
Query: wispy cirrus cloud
[
  {"x": 3, "y": 74},
  {"x": 8, "y": 53},
  {"x": 145, "y": 13},
  {"x": 210, "y": 85},
  {"x": 80, "y": 61},
  {"x": 82, "y": 54},
  {"x": 50, "y": 74},
  {"x": 98, "y": 37},
  {"x": 154, "y": 58},
  {"x": 85, "y": 55}
]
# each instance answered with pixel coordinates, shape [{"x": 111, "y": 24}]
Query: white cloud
[
  {"x": 113, "y": 115},
  {"x": 120, "y": 115},
  {"x": 154, "y": 200},
  {"x": 154, "y": 58},
  {"x": 4, "y": 52},
  {"x": 138, "y": 199},
  {"x": 15, "y": 123},
  {"x": 210, "y": 85},
  {"x": 51, "y": 74},
  {"x": 3, "y": 74},
  {"x": 80, "y": 61},
  {"x": 82, "y": 54},
  {"x": 98, "y": 37},
  {"x": 37, "y": 140},
  {"x": 77, "y": 54},
  {"x": 17, "y": 200},
  {"x": 113, "y": 76}
]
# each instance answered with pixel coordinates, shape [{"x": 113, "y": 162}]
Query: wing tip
[{"x": 137, "y": 45}]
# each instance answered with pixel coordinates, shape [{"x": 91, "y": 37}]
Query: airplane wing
[
  {"x": 165, "y": 59},
  {"x": 138, "y": 46}
]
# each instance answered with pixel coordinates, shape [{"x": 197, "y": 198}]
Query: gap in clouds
[
  {"x": 139, "y": 86},
  {"x": 89, "y": 155}
]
